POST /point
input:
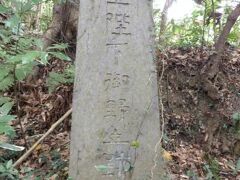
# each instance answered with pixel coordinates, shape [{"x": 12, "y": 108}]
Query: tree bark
[
  {"x": 63, "y": 28},
  {"x": 232, "y": 18},
  {"x": 38, "y": 14},
  {"x": 163, "y": 20},
  {"x": 64, "y": 24},
  {"x": 211, "y": 69}
]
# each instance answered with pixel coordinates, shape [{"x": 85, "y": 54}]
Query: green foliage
[
  {"x": 17, "y": 57},
  {"x": 5, "y": 118},
  {"x": 212, "y": 168},
  {"x": 184, "y": 33},
  {"x": 236, "y": 122},
  {"x": 191, "y": 174},
  {"x": 58, "y": 54},
  {"x": 209, "y": 172},
  {"x": 235, "y": 166},
  {"x": 19, "y": 53},
  {"x": 6, "y": 77},
  {"x": 135, "y": 144},
  {"x": 46, "y": 16},
  {"x": 54, "y": 165},
  {"x": 190, "y": 31},
  {"x": 236, "y": 117},
  {"x": 238, "y": 165},
  {"x": 7, "y": 171},
  {"x": 234, "y": 35},
  {"x": 55, "y": 79}
]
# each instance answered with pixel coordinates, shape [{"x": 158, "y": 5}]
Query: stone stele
[{"x": 115, "y": 128}]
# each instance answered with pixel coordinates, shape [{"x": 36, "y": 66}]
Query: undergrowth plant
[
  {"x": 212, "y": 168},
  {"x": 192, "y": 30},
  {"x": 236, "y": 122},
  {"x": 6, "y": 105},
  {"x": 55, "y": 79},
  {"x": 7, "y": 171},
  {"x": 20, "y": 52}
]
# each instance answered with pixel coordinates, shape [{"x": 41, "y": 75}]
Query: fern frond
[
  {"x": 56, "y": 79},
  {"x": 5, "y": 127},
  {"x": 4, "y": 100},
  {"x": 6, "y": 82},
  {"x": 5, "y": 118},
  {"x": 4, "y": 71},
  {"x": 23, "y": 70}
]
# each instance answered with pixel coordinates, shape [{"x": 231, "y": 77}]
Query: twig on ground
[{"x": 24, "y": 156}]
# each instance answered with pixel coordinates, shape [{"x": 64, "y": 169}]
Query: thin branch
[
  {"x": 163, "y": 19},
  {"x": 231, "y": 20},
  {"x": 204, "y": 24},
  {"x": 24, "y": 156}
]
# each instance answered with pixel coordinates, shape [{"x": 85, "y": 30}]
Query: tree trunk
[
  {"x": 232, "y": 18},
  {"x": 38, "y": 14},
  {"x": 64, "y": 24},
  {"x": 63, "y": 28},
  {"x": 211, "y": 69},
  {"x": 163, "y": 20}
]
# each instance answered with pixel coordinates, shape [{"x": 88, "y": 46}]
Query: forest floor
[{"x": 200, "y": 135}]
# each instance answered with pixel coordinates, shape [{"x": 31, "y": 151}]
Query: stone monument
[{"x": 115, "y": 126}]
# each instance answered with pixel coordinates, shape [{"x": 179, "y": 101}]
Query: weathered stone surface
[{"x": 116, "y": 118}]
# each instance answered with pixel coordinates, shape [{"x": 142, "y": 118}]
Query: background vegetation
[{"x": 34, "y": 69}]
